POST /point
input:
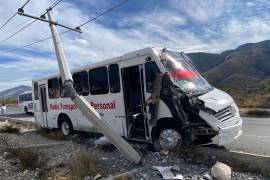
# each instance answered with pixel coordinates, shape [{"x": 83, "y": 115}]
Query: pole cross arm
[{"x": 77, "y": 29}]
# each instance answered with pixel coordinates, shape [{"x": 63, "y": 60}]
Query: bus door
[
  {"x": 43, "y": 105},
  {"x": 133, "y": 89}
]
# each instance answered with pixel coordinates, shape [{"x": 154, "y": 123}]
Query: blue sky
[{"x": 186, "y": 25}]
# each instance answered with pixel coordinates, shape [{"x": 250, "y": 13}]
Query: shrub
[
  {"x": 84, "y": 164},
  {"x": 9, "y": 128},
  {"x": 28, "y": 158},
  {"x": 53, "y": 135},
  {"x": 259, "y": 112}
]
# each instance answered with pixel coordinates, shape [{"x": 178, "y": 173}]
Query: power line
[
  {"x": 14, "y": 27},
  {"x": 29, "y": 24},
  {"x": 24, "y": 27},
  {"x": 35, "y": 42},
  {"x": 25, "y": 4},
  {"x": 55, "y": 3},
  {"x": 9, "y": 19},
  {"x": 49, "y": 37},
  {"x": 105, "y": 12}
]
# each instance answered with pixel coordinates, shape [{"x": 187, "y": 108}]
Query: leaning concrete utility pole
[{"x": 81, "y": 103}]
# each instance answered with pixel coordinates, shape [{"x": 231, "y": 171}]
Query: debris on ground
[
  {"x": 102, "y": 141},
  {"x": 125, "y": 175},
  {"x": 221, "y": 171},
  {"x": 98, "y": 176},
  {"x": 167, "y": 172},
  {"x": 7, "y": 127},
  {"x": 59, "y": 159}
]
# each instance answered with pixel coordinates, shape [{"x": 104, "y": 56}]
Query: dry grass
[
  {"x": 27, "y": 157},
  {"x": 84, "y": 164},
  {"x": 123, "y": 178},
  {"x": 255, "y": 97},
  {"x": 53, "y": 135},
  {"x": 9, "y": 129},
  {"x": 259, "y": 113}
]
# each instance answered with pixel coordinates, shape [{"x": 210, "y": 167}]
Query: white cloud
[
  {"x": 202, "y": 10},
  {"x": 160, "y": 27},
  {"x": 237, "y": 32}
]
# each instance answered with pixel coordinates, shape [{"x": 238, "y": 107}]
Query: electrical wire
[
  {"x": 29, "y": 24},
  {"x": 14, "y": 27},
  {"x": 105, "y": 12},
  {"x": 25, "y": 4},
  {"x": 55, "y": 3},
  {"x": 83, "y": 24},
  {"x": 9, "y": 19},
  {"x": 24, "y": 27}
]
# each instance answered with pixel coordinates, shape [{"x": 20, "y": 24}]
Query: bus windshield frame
[{"x": 184, "y": 73}]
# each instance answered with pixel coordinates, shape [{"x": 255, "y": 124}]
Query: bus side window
[
  {"x": 81, "y": 83},
  {"x": 60, "y": 87},
  {"x": 36, "y": 90},
  {"x": 114, "y": 78},
  {"x": 29, "y": 97},
  {"x": 151, "y": 71},
  {"x": 53, "y": 88},
  {"x": 98, "y": 81}
]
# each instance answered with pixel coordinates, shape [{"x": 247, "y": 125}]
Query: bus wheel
[
  {"x": 25, "y": 110},
  {"x": 66, "y": 126},
  {"x": 168, "y": 139}
]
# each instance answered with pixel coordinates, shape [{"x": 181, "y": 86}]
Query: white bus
[
  {"x": 25, "y": 102},
  {"x": 120, "y": 88}
]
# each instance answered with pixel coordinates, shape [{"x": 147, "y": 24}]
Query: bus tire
[
  {"x": 25, "y": 110},
  {"x": 165, "y": 134},
  {"x": 65, "y": 125}
]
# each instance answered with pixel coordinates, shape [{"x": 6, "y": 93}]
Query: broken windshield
[{"x": 183, "y": 73}]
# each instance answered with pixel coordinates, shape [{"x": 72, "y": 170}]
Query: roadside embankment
[
  {"x": 52, "y": 156},
  {"x": 254, "y": 112}
]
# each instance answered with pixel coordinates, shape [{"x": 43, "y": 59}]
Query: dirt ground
[{"x": 76, "y": 157}]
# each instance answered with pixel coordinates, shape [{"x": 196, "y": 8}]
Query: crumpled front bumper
[{"x": 228, "y": 134}]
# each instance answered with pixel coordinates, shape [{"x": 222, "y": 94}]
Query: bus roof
[
  {"x": 148, "y": 50},
  {"x": 26, "y": 92}
]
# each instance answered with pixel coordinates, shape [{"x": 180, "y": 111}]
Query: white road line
[{"x": 266, "y": 137}]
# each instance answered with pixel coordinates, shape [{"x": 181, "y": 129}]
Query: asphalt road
[
  {"x": 18, "y": 113},
  {"x": 255, "y": 138}
]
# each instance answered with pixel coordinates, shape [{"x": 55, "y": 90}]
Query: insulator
[
  {"x": 21, "y": 10},
  {"x": 43, "y": 16},
  {"x": 78, "y": 28}
]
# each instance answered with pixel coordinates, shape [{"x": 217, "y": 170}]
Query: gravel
[{"x": 59, "y": 159}]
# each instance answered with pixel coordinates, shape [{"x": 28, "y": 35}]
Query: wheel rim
[
  {"x": 170, "y": 139},
  {"x": 65, "y": 128}
]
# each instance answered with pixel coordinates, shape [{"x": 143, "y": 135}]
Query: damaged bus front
[{"x": 201, "y": 110}]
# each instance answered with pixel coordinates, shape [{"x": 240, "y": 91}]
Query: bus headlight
[{"x": 234, "y": 109}]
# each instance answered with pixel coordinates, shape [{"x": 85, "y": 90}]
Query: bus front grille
[{"x": 224, "y": 114}]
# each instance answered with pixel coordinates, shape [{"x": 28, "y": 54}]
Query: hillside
[
  {"x": 206, "y": 61},
  {"x": 246, "y": 66},
  {"x": 13, "y": 92},
  {"x": 243, "y": 72}
]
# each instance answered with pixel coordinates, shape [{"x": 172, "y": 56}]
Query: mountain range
[
  {"x": 243, "y": 67},
  {"x": 13, "y": 92},
  {"x": 246, "y": 66}
]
